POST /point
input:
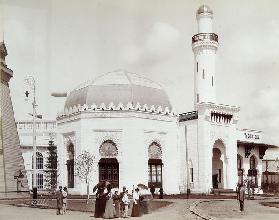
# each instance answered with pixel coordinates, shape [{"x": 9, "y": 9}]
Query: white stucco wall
[{"x": 132, "y": 133}]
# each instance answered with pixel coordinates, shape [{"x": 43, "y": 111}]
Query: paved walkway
[
  {"x": 178, "y": 210},
  {"x": 229, "y": 210}
]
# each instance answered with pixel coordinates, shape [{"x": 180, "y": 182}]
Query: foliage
[
  {"x": 51, "y": 167},
  {"x": 84, "y": 165}
]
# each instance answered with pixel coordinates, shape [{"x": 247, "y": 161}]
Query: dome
[
  {"x": 117, "y": 87},
  {"x": 204, "y": 9}
]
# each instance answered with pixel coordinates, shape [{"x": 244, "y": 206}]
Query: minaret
[
  {"x": 12, "y": 172},
  {"x": 204, "y": 45}
]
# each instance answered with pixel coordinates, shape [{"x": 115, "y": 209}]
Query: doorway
[
  {"x": 217, "y": 169},
  {"x": 109, "y": 171}
]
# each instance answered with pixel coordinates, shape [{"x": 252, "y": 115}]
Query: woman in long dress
[
  {"x": 99, "y": 210},
  {"x": 109, "y": 210},
  {"x": 136, "y": 206}
]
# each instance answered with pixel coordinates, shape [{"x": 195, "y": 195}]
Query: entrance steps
[{"x": 222, "y": 191}]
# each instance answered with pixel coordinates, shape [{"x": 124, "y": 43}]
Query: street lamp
[{"x": 31, "y": 88}]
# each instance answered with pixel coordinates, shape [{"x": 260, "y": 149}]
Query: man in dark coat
[
  {"x": 100, "y": 201},
  {"x": 152, "y": 190},
  {"x": 161, "y": 191},
  {"x": 241, "y": 196},
  {"x": 59, "y": 198}
]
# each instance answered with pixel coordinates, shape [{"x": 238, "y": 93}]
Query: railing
[
  {"x": 205, "y": 36},
  {"x": 188, "y": 116},
  {"x": 41, "y": 125}
]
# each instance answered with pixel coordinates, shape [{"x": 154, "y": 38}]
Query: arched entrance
[
  {"x": 108, "y": 164},
  {"x": 109, "y": 171},
  {"x": 217, "y": 169}
]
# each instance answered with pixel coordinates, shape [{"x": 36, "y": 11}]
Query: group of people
[
  {"x": 61, "y": 197},
  {"x": 152, "y": 191},
  {"x": 114, "y": 205}
]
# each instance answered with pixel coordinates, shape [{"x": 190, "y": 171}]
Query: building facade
[
  {"x": 12, "y": 171},
  {"x": 45, "y": 131},
  {"x": 126, "y": 121}
]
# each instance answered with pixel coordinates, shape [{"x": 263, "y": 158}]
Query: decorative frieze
[{"x": 116, "y": 107}]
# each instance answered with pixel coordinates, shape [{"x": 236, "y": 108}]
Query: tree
[
  {"x": 51, "y": 167},
  {"x": 84, "y": 168}
]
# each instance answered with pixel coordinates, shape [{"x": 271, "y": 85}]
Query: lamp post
[{"x": 31, "y": 83}]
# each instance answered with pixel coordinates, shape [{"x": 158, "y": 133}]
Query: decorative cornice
[
  {"x": 205, "y": 45},
  {"x": 115, "y": 108},
  {"x": 217, "y": 107}
]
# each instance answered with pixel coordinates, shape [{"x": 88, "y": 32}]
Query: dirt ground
[
  {"x": 229, "y": 209},
  {"x": 176, "y": 209}
]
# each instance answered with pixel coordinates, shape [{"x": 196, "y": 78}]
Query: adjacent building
[
  {"x": 12, "y": 171},
  {"x": 45, "y": 131}
]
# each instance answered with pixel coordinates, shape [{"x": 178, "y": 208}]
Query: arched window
[
  {"x": 252, "y": 172},
  {"x": 239, "y": 169},
  {"x": 39, "y": 161},
  {"x": 252, "y": 162},
  {"x": 70, "y": 165},
  {"x": 239, "y": 162},
  {"x": 155, "y": 165}
]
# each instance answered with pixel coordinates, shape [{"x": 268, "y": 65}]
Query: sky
[{"x": 63, "y": 43}]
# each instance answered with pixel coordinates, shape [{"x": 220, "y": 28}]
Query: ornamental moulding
[
  {"x": 113, "y": 107},
  {"x": 219, "y": 107}
]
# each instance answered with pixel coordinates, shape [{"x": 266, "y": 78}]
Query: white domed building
[{"x": 126, "y": 121}]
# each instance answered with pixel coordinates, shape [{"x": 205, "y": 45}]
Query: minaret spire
[{"x": 204, "y": 45}]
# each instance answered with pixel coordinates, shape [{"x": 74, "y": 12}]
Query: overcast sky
[{"x": 63, "y": 43}]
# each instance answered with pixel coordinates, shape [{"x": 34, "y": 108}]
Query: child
[{"x": 125, "y": 200}]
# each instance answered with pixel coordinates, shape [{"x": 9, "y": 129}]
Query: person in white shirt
[
  {"x": 136, "y": 205},
  {"x": 126, "y": 201}
]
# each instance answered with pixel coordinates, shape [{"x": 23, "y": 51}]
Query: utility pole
[
  {"x": 187, "y": 163},
  {"x": 31, "y": 83}
]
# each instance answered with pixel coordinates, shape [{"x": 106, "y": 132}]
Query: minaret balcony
[{"x": 205, "y": 37}]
